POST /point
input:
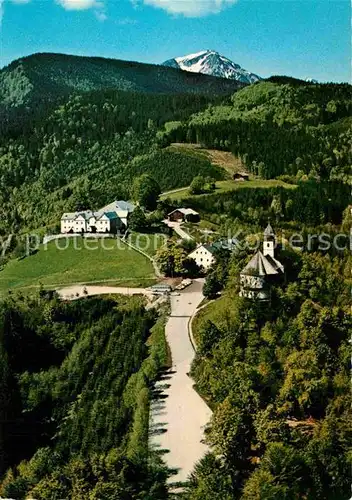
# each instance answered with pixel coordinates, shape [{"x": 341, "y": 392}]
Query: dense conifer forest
[
  {"x": 280, "y": 129},
  {"x": 277, "y": 376},
  {"x": 75, "y": 385},
  {"x": 45, "y": 76},
  {"x": 85, "y": 149},
  {"x": 87, "y": 152},
  {"x": 309, "y": 203}
]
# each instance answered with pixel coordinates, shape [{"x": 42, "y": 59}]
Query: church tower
[
  {"x": 269, "y": 242},
  {"x": 258, "y": 275}
]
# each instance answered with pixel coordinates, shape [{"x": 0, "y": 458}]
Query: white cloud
[
  {"x": 191, "y": 8},
  {"x": 97, "y": 5},
  {"x": 100, "y": 15},
  {"x": 79, "y": 4}
]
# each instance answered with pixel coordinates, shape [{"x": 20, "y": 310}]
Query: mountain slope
[
  {"x": 88, "y": 149},
  {"x": 42, "y": 76},
  {"x": 210, "y": 62},
  {"x": 297, "y": 130}
]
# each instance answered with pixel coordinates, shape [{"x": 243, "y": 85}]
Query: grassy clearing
[
  {"x": 230, "y": 185},
  {"x": 223, "y": 159},
  {"x": 221, "y": 312},
  {"x": 203, "y": 231},
  {"x": 202, "y": 225},
  {"x": 148, "y": 243},
  {"x": 115, "y": 263},
  {"x": 207, "y": 224}
]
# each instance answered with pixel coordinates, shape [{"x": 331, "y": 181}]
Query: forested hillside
[
  {"x": 277, "y": 376},
  {"x": 86, "y": 150},
  {"x": 295, "y": 129},
  {"x": 60, "y": 74},
  {"x": 74, "y": 388},
  {"x": 32, "y": 84},
  {"x": 309, "y": 203},
  {"x": 86, "y": 153},
  {"x": 75, "y": 377}
]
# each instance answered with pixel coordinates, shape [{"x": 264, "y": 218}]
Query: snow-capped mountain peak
[{"x": 212, "y": 63}]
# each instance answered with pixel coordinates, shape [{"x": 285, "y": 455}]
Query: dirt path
[
  {"x": 178, "y": 413},
  {"x": 165, "y": 193},
  {"x": 176, "y": 226},
  {"x": 157, "y": 271},
  {"x": 79, "y": 291}
]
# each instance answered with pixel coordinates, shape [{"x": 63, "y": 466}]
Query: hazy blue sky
[{"x": 305, "y": 38}]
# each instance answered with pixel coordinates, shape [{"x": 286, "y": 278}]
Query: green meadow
[
  {"x": 77, "y": 260},
  {"x": 230, "y": 185}
]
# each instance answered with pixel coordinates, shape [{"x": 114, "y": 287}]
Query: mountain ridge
[
  {"x": 53, "y": 74},
  {"x": 210, "y": 62}
]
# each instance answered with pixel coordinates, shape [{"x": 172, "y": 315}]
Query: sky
[{"x": 301, "y": 38}]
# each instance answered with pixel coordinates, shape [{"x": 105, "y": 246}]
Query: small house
[
  {"x": 230, "y": 244},
  {"x": 203, "y": 255},
  {"x": 75, "y": 222},
  {"x": 106, "y": 222},
  {"x": 184, "y": 215},
  {"x": 161, "y": 289},
  {"x": 241, "y": 176}
]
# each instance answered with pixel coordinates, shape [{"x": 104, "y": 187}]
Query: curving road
[{"x": 178, "y": 413}]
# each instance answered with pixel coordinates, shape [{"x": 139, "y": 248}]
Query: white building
[
  {"x": 203, "y": 256},
  {"x": 109, "y": 219},
  {"x": 76, "y": 222},
  {"x": 122, "y": 209},
  {"x": 256, "y": 277}
]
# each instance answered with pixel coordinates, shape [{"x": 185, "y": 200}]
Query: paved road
[{"x": 178, "y": 413}]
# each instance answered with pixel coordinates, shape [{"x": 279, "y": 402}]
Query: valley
[{"x": 104, "y": 392}]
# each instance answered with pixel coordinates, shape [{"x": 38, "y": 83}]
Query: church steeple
[
  {"x": 257, "y": 276},
  {"x": 269, "y": 241}
]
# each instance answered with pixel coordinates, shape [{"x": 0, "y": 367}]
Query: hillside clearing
[
  {"x": 225, "y": 186},
  {"x": 220, "y": 312},
  {"x": 223, "y": 159},
  {"x": 67, "y": 262}
]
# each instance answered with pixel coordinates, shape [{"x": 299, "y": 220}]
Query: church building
[{"x": 263, "y": 268}]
